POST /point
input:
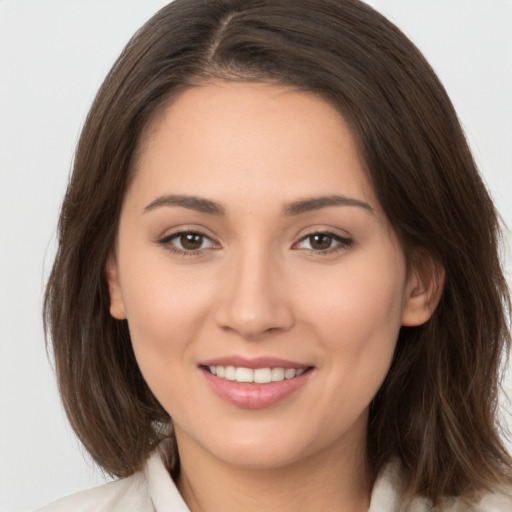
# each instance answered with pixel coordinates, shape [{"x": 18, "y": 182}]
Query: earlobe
[
  {"x": 423, "y": 292},
  {"x": 117, "y": 309}
]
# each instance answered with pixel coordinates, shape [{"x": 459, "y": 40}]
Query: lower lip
[{"x": 254, "y": 396}]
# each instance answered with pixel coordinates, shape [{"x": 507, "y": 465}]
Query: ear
[
  {"x": 423, "y": 291},
  {"x": 117, "y": 309}
]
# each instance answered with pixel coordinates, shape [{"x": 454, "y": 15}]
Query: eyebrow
[
  {"x": 203, "y": 205},
  {"x": 317, "y": 203},
  {"x": 198, "y": 204}
]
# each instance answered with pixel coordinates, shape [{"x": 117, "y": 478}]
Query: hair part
[{"x": 437, "y": 409}]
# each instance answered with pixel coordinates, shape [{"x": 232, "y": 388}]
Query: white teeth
[
  {"x": 229, "y": 373},
  {"x": 258, "y": 376},
  {"x": 244, "y": 375},
  {"x": 262, "y": 375},
  {"x": 289, "y": 373},
  {"x": 277, "y": 374}
]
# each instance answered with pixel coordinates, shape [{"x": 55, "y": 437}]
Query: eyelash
[
  {"x": 167, "y": 240},
  {"x": 341, "y": 243}
]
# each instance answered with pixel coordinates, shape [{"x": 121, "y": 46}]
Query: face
[{"x": 263, "y": 286}]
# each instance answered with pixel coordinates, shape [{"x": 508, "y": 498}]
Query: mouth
[{"x": 256, "y": 383}]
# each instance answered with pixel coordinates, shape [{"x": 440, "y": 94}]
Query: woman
[{"x": 274, "y": 235}]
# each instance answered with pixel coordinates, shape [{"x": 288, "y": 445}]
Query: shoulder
[
  {"x": 126, "y": 495},
  {"x": 149, "y": 490},
  {"x": 499, "y": 501},
  {"x": 387, "y": 492}
]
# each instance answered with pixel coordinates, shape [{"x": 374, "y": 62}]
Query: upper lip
[{"x": 254, "y": 363}]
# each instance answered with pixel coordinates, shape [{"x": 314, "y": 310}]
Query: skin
[{"x": 261, "y": 285}]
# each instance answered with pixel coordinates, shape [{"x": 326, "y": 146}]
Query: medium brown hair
[{"x": 436, "y": 411}]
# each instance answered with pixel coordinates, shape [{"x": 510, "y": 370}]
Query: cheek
[
  {"x": 359, "y": 301},
  {"x": 164, "y": 307},
  {"x": 357, "y": 319}
]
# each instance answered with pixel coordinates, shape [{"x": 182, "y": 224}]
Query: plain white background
[{"x": 53, "y": 57}]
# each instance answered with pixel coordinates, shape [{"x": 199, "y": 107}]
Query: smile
[
  {"x": 257, "y": 375},
  {"x": 255, "y": 383}
]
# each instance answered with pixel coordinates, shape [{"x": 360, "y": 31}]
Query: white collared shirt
[{"x": 153, "y": 490}]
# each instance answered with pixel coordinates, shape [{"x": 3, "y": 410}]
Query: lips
[{"x": 254, "y": 383}]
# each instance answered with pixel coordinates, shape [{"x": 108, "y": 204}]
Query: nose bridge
[{"x": 254, "y": 301}]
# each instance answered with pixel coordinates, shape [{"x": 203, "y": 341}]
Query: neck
[{"x": 323, "y": 481}]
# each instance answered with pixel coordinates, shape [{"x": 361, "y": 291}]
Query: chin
[
  {"x": 269, "y": 447},
  {"x": 260, "y": 457}
]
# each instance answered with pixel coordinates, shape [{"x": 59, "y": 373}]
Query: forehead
[{"x": 253, "y": 137}]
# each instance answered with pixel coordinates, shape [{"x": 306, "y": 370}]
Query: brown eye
[
  {"x": 325, "y": 243},
  {"x": 188, "y": 243},
  {"x": 191, "y": 241},
  {"x": 320, "y": 242}
]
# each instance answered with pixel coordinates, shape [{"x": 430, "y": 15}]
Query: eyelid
[
  {"x": 185, "y": 228},
  {"x": 166, "y": 239},
  {"x": 343, "y": 241}
]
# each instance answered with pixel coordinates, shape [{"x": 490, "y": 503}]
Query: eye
[
  {"x": 187, "y": 242},
  {"x": 323, "y": 242}
]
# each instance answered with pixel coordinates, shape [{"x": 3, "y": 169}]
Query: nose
[{"x": 254, "y": 299}]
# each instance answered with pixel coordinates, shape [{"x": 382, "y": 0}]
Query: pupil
[
  {"x": 191, "y": 241},
  {"x": 321, "y": 242}
]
